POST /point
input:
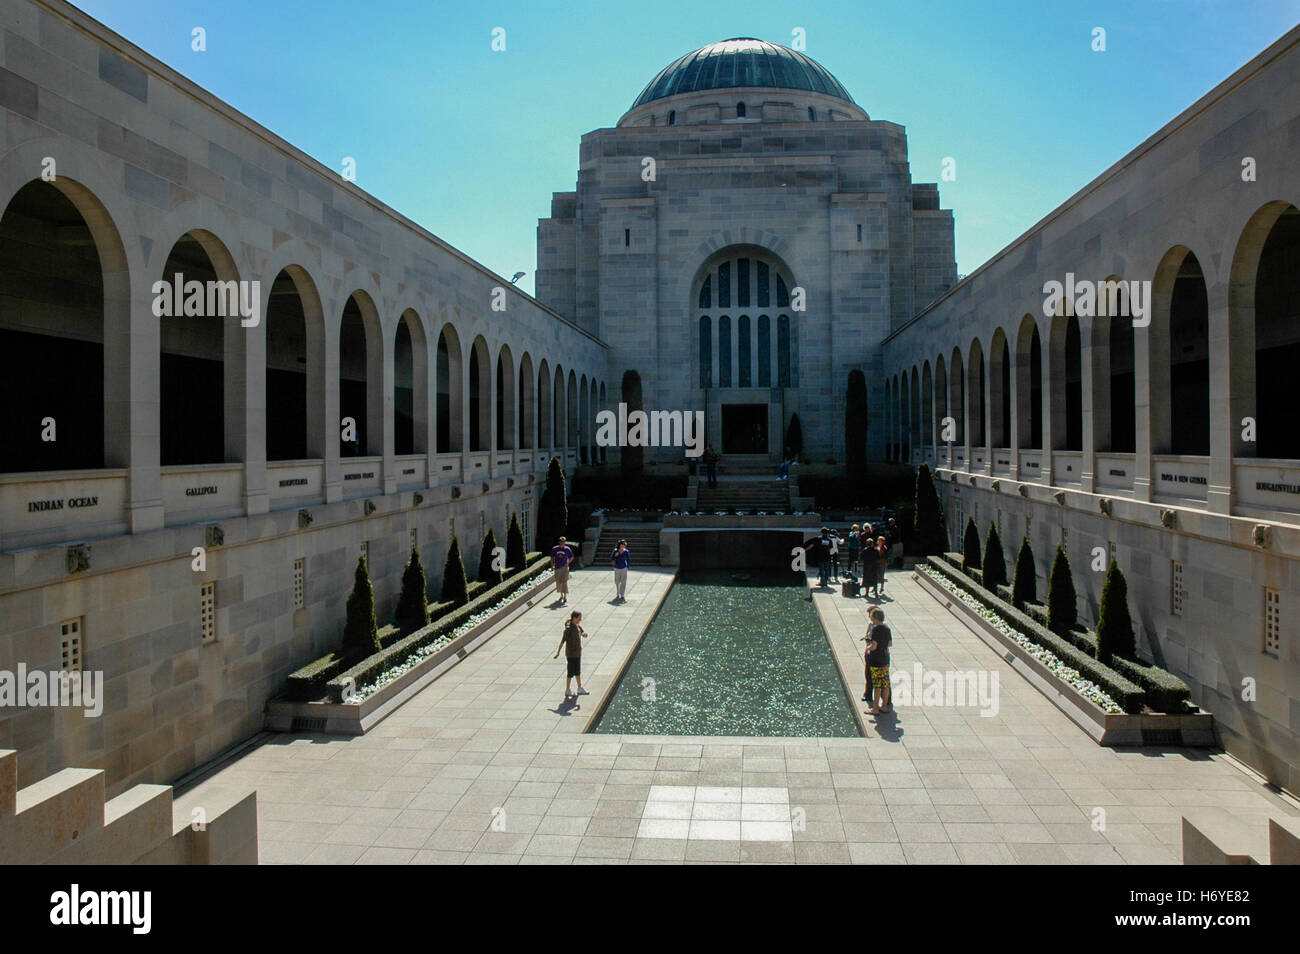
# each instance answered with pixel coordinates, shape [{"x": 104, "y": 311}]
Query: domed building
[{"x": 744, "y": 238}]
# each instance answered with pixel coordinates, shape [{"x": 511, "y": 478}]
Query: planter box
[
  {"x": 358, "y": 718},
  {"x": 1193, "y": 729}
]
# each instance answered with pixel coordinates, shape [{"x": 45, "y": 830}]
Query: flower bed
[
  {"x": 318, "y": 678},
  {"x": 1130, "y": 684},
  {"x": 1086, "y": 688}
]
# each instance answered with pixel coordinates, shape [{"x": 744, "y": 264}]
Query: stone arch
[
  {"x": 1179, "y": 356},
  {"x": 294, "y": 327},
  {"x": 941, "y": 399},
  {"x": 558, "y": 401},
  {"x": 361, "y": 375},
  {"x": 202, "y": 374},
  {"x": 1264, "y": 338},
  {"x": 75, "y": 293},
  {"x": 957, "y": 397},
  {"x": 479, "y": 396},
  {"x": 927, "y": 407},
  {"x": 1065, "y": 374},
  {"x": 545, "y": 408},
  {"x": 410, "y": 385},
  {"x": 571, "y": 414},
  {"x": 977, "y": 415},
  {"x": 1029, "y": 385},
  {"x": 449, "y": 378},
  {"x": 527, "y": 403},
  {"x": 507, "y": 416},
  {"x": 1113, "y": 375},
  {"x": 999, "y": 390}
]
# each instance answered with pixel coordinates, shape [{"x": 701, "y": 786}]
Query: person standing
[
  {"x": 878, "y": 641},
  {"x": 880, "y": 557},
  {"x": 571, "y": 643},
  {"x": 895, "y": 543},
  {"x": 820, "y": 548},
  {"x": 622, "y": 559},
  {"x": 855, "y": 544},
  {"x": 561, "y": 557},
  {"x": 835, "y": 555},
  {"x": 711, "y": 459}
]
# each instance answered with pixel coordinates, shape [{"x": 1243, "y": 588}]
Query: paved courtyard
[{"x": 487, "y": 766}]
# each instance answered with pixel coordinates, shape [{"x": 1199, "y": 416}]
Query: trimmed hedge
[
  {"x": 374, "y": 665},
  {"x": 1165, "y": 692},
  {"x": 308, "y": 683},
  {"x": 1127, "y": 694}
]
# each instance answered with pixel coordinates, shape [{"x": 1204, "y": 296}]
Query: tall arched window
[
  {"x": 751, "y": 278},
  {"x": 740, "y": 110},
  {"x": 724, "y": 352},
  {"x": 783, "y": 351},
  {"x": 743, "y": 377},
  {"x": 706, "y": 353}
]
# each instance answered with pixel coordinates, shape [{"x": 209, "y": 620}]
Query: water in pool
[{"x": 732, "y": 656}]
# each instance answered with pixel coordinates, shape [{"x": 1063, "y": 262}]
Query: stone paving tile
[{"x": 485, "y": 746}]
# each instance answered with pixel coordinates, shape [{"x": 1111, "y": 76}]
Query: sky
[{"x": 470, "y": 142}]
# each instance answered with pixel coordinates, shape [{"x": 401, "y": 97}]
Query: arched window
[
  {"x": 812, "y": 115},
  {"x": 706, "y": 353},
  {"x": 743, "y": 376},
  {"x": 783, "y": 351},
  {"x": 727, "y": 350},
  {"x": 1189, "y": 362},
  {"x": 672, "y": 117},
  {"x": 724, "y": 352},
  {"x": 740, "y": 110}
]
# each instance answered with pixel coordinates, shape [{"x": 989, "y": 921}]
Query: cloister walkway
[{"x": 485, "y": 766}]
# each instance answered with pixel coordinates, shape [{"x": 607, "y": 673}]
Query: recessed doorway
[{"x": 744, "y": 428}]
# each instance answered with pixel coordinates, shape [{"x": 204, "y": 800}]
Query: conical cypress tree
[
  {"x": 361, "y": 632},
  {"x": 515, "y": 552},
  {"x": 553, "y": 511},
  {"x": 1115, "y": 636},
  {"x": 1024, "y": 588},
  {"x": 1061, "y": 599},
  {"x": 995, "y": 563},
  {"x": 412, "y": 610},
  {"x": 970, "y": 546},
  {"x": 455, "y": 589},
  {"x": 487, "y": 571},
  {"x": 927, "y": 521}
]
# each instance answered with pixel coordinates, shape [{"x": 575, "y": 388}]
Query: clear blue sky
[{"x": 471, "y": 143}]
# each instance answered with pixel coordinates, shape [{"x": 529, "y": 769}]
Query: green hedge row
[
  {"x": 309, "y": 683},
  {"x": 1128, "y": 695},
  {"x": 1165, "y": 692},
  {"x": 374, "y": 665}
]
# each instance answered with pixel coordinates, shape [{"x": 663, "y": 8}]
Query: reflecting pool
[{"x": 732, "y": 653}]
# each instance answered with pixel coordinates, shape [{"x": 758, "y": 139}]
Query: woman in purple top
[
  {"x": 561, "y": 557},
  {"x": 622, "y": 559}
]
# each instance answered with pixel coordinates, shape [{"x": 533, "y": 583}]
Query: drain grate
[{"x": 302, "y": 724}]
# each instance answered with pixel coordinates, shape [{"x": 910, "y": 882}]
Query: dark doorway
[{"x": 744, "y": 428}]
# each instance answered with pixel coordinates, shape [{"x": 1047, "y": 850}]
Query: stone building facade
[
  {"x": 1159, "y": 432},
  {"x": 743, "y": 239},
  {"x": 229, "y": 434}
]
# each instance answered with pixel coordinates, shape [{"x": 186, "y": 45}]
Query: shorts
[
  {"x": 575, "y": 665},
  {"x": 879, "y": 677},
  {"x": 562, "y": 578}
]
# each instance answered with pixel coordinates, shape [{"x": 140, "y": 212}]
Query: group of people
[
  {"x": 870, "y": 546},
  {"x": 563, "y": 559}
]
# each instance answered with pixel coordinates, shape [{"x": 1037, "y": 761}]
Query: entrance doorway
[{"x": 744, "y": 428}]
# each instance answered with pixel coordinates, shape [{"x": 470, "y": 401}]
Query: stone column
[
  {"x": 132, "y": 365},
  {"x": 1094, "y": 372},
  {"x": 245, "y": 399},
  {"x": 331, "y": 423},
  {"x": 1142, "y": 406},
  {"x": 380, "y": 371},
  {"x": 1231, "y": 322}
]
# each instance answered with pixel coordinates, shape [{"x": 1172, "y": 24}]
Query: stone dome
[{"x": 741, "y": 62}]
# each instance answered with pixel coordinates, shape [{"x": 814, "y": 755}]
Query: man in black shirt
[{"x": 878, "y": 641}]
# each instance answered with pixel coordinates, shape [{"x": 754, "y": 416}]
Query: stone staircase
[
  {"x": 65, "y": 819},
  {"x": 642, "y": 539},
  {"x": 741, "y": 493}
]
